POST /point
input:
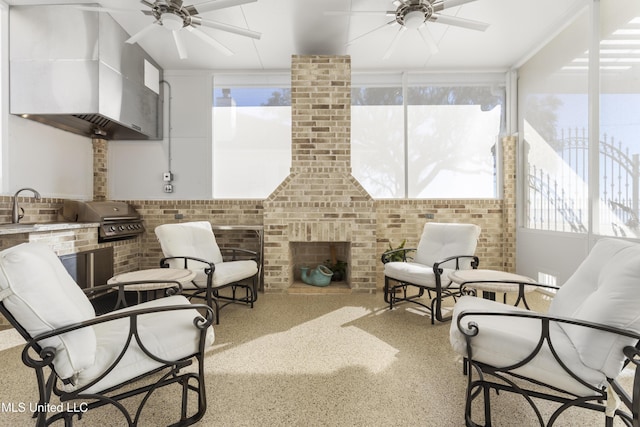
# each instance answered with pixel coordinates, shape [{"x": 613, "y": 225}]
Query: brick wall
[
  {"x": 509, "y": 153},
  {"x": 222, "y": 212},
  {"x": 100, "y": 168}
]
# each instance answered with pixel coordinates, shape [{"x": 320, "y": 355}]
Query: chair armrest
[
  {"x": 236, "y": 251},
  {"x": 201, "y": 322},
  {"x": 472, "y": 327},
  {"x": 210, "y": 267},
  {"x": 475, "y": 261},
  {"x": 101, "y": 289},
  {"x": 402, "y": 252}
]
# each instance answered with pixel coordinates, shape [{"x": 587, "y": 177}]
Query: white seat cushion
[
  {"x": 170, "y": 335},
  {"x": 504, "y": 341},
  {"x": 42, "y": 296},
  {"x": 443, "y": 240},
  {"x": 417, "y": 274},
  {"x": 225, "y": 273},
  {"x": 194, "y": 239},
  {"x": 604, "y": 289}
]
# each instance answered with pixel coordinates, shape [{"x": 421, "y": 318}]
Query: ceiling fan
[
  {"x": 414, "y": 15},
  {"x": 174, "y": 16}
]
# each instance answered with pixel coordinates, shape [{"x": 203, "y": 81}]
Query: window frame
[{"x": 407, "y": 80}]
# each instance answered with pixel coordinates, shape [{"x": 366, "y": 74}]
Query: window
[
  {"x": 420, "y": 139},
  {"x": 251, "y": 137},
  {"x": 452, "y": 134},
  {"x": 554, "y": 123},
  {"x": 619, "y": 121},
  {"x": 579, "y": 103},
  {"x": 411, "y": 135},
  {"x": 377, "y": 139}
]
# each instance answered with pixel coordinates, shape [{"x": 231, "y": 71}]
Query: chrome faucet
[{"x": 16, "y": 215}]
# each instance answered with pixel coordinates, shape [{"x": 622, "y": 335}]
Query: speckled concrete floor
[{"x": 315, "y": 360}]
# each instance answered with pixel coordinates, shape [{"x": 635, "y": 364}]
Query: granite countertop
[{"x": 41, "y": 227}]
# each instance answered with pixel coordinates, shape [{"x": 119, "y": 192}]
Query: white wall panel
[
  {"x": 54, "y": 162},
  {"x": 136, "y": 167}
]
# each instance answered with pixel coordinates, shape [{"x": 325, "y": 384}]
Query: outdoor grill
[{"x": 118, "y": 220}]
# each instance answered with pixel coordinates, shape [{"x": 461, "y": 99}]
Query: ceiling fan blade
[
  {"x": 369, "y": 32},
  {"x": 428, "y": 39},
  {"x": 140, "y": 34},
  {"x": 218, "y": 4},
  {"x": 226, "y": 27},
  {"x": 459, "y": 22},
  {"x": 177, "y": 38},
  {"x": 394, "y": 42},
  {"x": 207, "y": 38}
]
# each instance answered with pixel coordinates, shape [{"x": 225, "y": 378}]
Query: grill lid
[{"x": 74, "y": 210}]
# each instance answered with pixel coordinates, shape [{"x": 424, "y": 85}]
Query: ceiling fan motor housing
[
  {"x": 409, "y": 10},
  {"x": 166, "y": 12}
]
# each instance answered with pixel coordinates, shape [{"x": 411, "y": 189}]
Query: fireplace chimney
[{"x": 320, "y": 201}]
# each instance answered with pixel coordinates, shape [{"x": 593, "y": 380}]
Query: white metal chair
[
  {"x": 443, "y": 248},
  {"x": 193, "y": 245},
  {"x": 571, "y": 355},
  {"x": 89, "y": 361}
]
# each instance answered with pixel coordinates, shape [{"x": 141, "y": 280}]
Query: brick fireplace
[{"x": 320, "y": 204}]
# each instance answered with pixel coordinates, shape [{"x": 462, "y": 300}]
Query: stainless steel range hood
[{"x": 73, "y": 70}]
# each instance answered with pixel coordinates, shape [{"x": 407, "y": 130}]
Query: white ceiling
[{"x": 516, "y": 28}]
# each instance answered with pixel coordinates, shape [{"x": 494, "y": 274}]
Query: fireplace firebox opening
[{"x": 312, "y": 254}]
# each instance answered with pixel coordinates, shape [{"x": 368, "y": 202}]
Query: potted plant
[
  {"x": 338, "y": 267},
  {"x": 399, "y": 255}
]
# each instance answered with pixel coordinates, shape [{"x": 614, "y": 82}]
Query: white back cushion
[
  {"x": 42, "y": 296},
  {"x": 194, "y": 239},
  {"x": 604, "y": 289},
  {"x": 443, "y": 240}
]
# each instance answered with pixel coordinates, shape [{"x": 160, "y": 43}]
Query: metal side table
[{"x": 149, "y": 281}]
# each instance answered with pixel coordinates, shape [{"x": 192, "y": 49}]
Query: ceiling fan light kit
[
  {"x": 170, "y": 21},
  {"x": 413, "y": 20},
  {"x": 414, "y": 15}
]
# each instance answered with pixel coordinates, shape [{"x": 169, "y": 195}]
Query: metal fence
[{"x": 559, "y": 201}]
